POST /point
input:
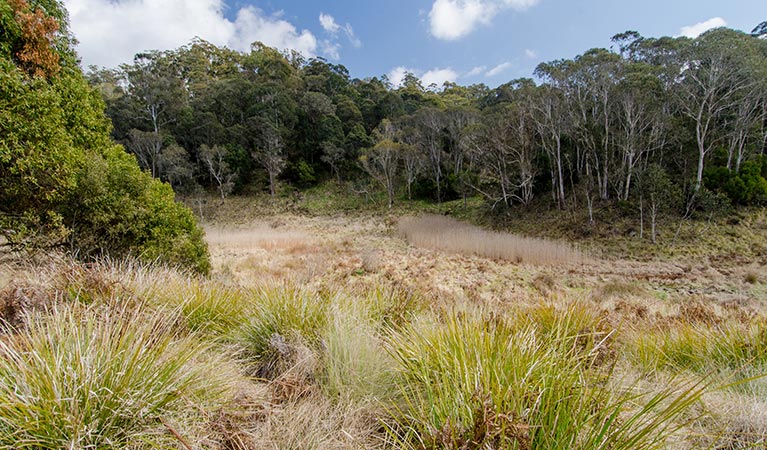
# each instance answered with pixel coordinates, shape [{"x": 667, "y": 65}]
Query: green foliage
[
  {"x": 475, "y": 382},
  {"x": 747, "y": 187},
  {"x": 62, "y": 181},
  {"x": 119, "y": 210}
]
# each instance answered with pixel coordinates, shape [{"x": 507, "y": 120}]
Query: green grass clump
[
  {"x": 281, "y": 315},
  {"x": 356, "y": 365},
  {"x": 472, "y": 382},
  {"x": 100, "y": 378},
  {"x": 700, "y": 348}
]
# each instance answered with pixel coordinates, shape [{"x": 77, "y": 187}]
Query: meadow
[{"x": 385, "y": 330}]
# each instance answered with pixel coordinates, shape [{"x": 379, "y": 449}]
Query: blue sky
[{"x": 467, "y": 41}]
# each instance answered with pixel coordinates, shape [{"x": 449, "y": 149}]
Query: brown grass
[
  {"x": 444, "y": 233},
  {"x": 258, "y": 237}
]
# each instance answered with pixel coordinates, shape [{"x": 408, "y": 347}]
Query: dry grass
[
  {"x": 309, "y": 308},
  {"x": 444, "y": 233},
  {"x": 259, "y": 236}
]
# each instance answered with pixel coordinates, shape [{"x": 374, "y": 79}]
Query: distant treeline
[{"x": 658, "y": 122}]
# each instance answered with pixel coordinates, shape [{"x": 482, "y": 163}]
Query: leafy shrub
[
  {"x": 62, "y": 180},
  {"x": 119, "y": 210},
  {"x": 747, "y": 187}
]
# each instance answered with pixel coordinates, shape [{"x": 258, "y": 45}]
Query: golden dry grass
[{"x": 446, "y": 234}]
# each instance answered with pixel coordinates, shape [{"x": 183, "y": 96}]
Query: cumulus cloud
[
  {"x": 499, "y": 69},
  {"x": 693, "y": 31},
  {"x": 530, "y": 53},
  {"x": 476, "y": 71},
  {"x": 111, "y": 32},
  {"x": 436, "y": 76},
  {"x": 397, "y": 75},
  {"x": 453, "y": 19},
  {"x": 328, "y": 22},
  {"x": 332, "y": 27}
]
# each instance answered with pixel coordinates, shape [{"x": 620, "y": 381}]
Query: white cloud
[
  {"x": 532, "y": 54},
  {"x": 111, "y": 32},
  {"x": 332, "y": 28},
  {"x": 435, "y": 76},
  {"x": 476, "y": 71},
  {"x": 693, "y": 31},
  {"x": 397, "y": 75},
  {"x": 439, "y": 77},
  {"x": 328, "y": 22},
  {"x": 453, "y": 19},
  {"x": 499, "y": 69},
  {"x": 332, "y": 50}
]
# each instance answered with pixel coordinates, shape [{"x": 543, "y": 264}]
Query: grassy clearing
[
  {"x": 389, "y": 359},
  {"x": 444, "y": 233}
]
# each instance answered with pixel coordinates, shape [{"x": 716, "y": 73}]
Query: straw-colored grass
[
  {"x": 447, "y": 234},
  {"x": 258, "y": 237}
]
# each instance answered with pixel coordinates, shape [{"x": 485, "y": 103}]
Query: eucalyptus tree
[
  {"x": 716, "y": 74},
  {"x": 552, "y": 125},
  {"x": 158, "y": 96},
  {"x": 431, "y": 125},
  {"x": 381, "y": 161},
  {"x": 215, "y": 160},
  {"x": 506, "y": 153},
  {"x": 640, "y": 119},
  {"x": 589, "y": 82}
]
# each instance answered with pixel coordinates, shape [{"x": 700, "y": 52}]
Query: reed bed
[{"x": 447, "y": 234}]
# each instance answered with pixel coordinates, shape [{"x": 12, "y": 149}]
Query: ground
[{"x": 351, "y": 251}]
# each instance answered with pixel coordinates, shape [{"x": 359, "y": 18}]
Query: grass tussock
[
  {"x": 123, "y": 355},
  {"x": 447, "y": 234},
  {"x": 470, "y": 381},
  {"x": 701, "y": 348},
  {"x": 100, "y": 378}
]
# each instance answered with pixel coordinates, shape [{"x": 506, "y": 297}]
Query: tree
[
  {"x": 430, "y": 125},
  {"x": 716, "y": 72},
  {"x": 269, "y": 153},
  {"x": 760, "y": 30},
  {"x": 215, "y": 159},
  {"x": 661, "y": 193},
  {"x": 382, "y": 161},
  {"x": 63, "y": 182},
  {"x": 551, "y": 123}
]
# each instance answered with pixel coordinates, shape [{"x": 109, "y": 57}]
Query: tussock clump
[
  {"x": 469, "y": 382},
  {"x": 281, "y": 317},
  {"x": 701, "y": 348},
  {"x": 103, "y": 378},
  {"x": 444, "y": 233}
]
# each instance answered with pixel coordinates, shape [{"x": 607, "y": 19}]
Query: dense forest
[{"x": 662, "y": 123}]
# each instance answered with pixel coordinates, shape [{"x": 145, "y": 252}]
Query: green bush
[
  {"x": 63, "y": 182},
  {"x": 119, "y": 210},
  {"x": 747, "y": 187}
]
